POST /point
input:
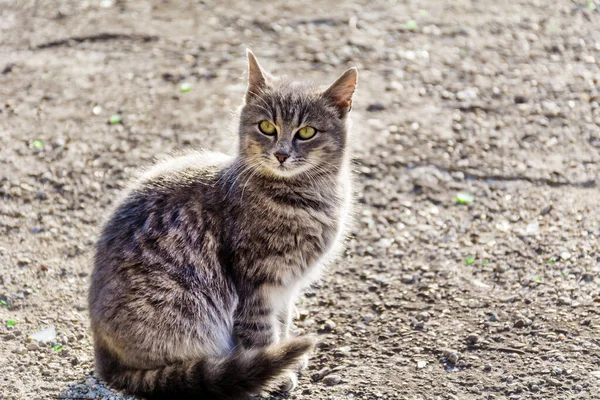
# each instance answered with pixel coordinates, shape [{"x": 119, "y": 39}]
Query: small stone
[
  {"x": 565, "y": 301},
  {"x": 565, "y": 255},
  {"x": 344, "y": 349},
  {"x": 546, "y": 210},
  {"x": 375, "y": 107},
  {"x": 303, "y": 314},
  {"x": 22, "y": 260},
  {"x": 520, "y": 99},
  {"x": 368, "y": 318},
  {"x": 533, "y": 228},
  {"x": 419, "y": 325},
  {"x": 423, "y": 316},
  {"x": 468, "y": 94},
  {"x": 523, "y": 322},
  {"x": 421, "y": 364},
  {"x": 332, "y": 380},
  {"x": 534, "y": 388},
  {"x": 329, "y": 325},
  {"x": 487, "y": 368},
  {"x": 452, "y": 356},
  {"x": 33, "y": 347},
  {"x": 472, "y": 339},
  {"x": 554, "y": 382},
  {"x": 408, "y": 279},
  {"x": 321, "y": 374}
]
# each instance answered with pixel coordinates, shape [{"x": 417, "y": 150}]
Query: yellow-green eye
[
  {"x": 267, "y": 128},
  {"x": 306, "y": 132}
]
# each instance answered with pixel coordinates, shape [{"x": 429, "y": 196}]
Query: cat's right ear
[
  {"x": 341, "y": 91},
  {"x": 257, "y": 78}
]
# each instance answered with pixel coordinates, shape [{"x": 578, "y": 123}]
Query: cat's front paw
[{"x": 288, "y": 383}]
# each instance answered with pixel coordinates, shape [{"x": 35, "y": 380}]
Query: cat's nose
[{"x": 281, "y": 156}]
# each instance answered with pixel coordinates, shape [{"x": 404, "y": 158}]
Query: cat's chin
[{"x": 287, "y": 172}]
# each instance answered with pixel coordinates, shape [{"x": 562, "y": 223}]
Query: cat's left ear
[
  {"x": 341, "y": 91},
  {"x": 257, "y": 78}
]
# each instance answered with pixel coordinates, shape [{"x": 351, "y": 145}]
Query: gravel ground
[{"x": 498, "y": 298}]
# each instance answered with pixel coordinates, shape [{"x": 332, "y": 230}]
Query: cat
[{"x": 197, "y": 271}]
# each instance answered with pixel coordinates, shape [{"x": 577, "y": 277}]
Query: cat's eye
[
  {"x": 306, "y": 132},
  {"x": 267, "y": 128}
]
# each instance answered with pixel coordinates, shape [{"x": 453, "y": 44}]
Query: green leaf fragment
[
  {"x": 57, "y": 347},
  {"x": 11, "y": 322},
  {"x": 464, "y": 198},
  {"x": 115, "y": 119},
  {"x": 565, "y": 272},
  {"x": 470, "y": 261},
  {"x": 538, "y": 278},
  {"x": 485, "y": 262},
  {"x": 411, "y": 25},
  {"x": 591, "y": 5},
  {"x": 38, "y": 144},
  {"x": 551, "y": 261},
  {"x": 185, "y": 87},
  {"x": 3, "y": 303}
]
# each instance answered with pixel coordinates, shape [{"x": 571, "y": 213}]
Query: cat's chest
[
  {"x": 301, "y": 229},
  {"x": 288, "y": 236}
]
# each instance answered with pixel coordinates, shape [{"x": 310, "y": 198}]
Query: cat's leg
[
  {"x": 262, "y": 320},
  {"x": 256, "y": 323},
  {"x": 287, "y": 315},
  {"x": 286, "y": 319}
]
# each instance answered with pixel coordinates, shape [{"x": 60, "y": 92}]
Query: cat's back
[
  {"x": 166, "y": 201},
  {"x": 197, "y": 167}
]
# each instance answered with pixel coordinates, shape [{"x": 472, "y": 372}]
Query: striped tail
[{"x": 234, "y": 377}]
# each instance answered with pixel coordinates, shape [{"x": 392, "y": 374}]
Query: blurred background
[{"x": 473, "y": 267}]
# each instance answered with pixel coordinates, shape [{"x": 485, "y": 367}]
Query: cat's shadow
[{"x": 91, "y": 388}]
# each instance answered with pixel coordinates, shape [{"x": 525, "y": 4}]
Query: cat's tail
[{"x": 234, "y": 377}]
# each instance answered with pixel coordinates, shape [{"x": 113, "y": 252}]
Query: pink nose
[{"x": 281, "y": 157}]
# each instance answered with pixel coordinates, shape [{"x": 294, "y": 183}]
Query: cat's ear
[
  {"x": 341, "y": 91},
  {"x": 257, "y": 77}
]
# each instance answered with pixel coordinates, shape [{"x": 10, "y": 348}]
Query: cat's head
[{"x": 289, "y": 128}]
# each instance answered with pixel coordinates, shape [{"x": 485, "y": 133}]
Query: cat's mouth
[{"x": 288, "y": 170}]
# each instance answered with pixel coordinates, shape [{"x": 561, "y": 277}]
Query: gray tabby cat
[{"x": 197, "y": 271}]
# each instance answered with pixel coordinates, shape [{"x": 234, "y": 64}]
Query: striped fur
[{"x": 198, "y": 269}]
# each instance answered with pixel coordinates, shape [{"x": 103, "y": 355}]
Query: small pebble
[
  {"x": 423, "y": 316},
  {"x": 33, "y": 346},
  {"x": 329, "y": 325},
  {"x": 452, "y": 356},
  {"x": 321, "y": 374},
  {"x": 523, "y": 322},
  {"x": 332, "y": 380},
  {"x": 472, "y": 339},
  {"x": 375, "y": 107}
]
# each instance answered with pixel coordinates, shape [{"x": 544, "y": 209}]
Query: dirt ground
[{"x": 495, "y": 299}]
